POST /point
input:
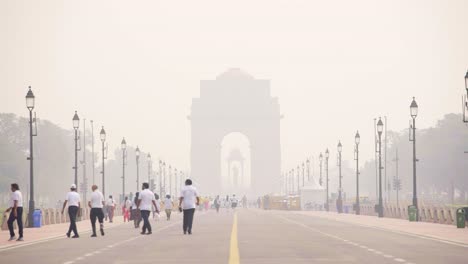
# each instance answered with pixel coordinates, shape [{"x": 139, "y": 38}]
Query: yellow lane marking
[{"x": 234, "y": 249}]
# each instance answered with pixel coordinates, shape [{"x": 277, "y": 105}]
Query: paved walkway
[
  {"x": 49, "y": 232},
  {"x": 449, "y": 233}
]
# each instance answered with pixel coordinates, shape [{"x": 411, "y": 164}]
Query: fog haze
[{"x": 135, "y": 67}]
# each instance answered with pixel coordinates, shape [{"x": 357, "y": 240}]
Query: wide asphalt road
[{"x": 248, "y": 236}]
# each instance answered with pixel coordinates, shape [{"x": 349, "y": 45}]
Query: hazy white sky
[{"x": 134, "y": 66}]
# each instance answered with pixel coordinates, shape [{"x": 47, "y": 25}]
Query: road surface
[{"x": 247, "y": 236}]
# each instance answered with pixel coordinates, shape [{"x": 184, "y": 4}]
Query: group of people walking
[{"x": 137, "y": 210}]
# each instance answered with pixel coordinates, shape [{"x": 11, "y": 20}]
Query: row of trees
[
  {"x": 442, "y": 170},
  {"x": 54, "y": 161}
]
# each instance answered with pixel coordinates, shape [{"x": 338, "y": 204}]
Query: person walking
[
  {"x": 188, "y": 201},
  {"x": 127, "y": 206},
  {"x": 234, "y": 202},
  {"x": 145, "y": 202},
  {"x": 168, "y": 205},
  {"x": 136, "y": 215},
  {"x": 96, "y": 204},
  {"x": 16, "y": 208},
  {"x": 74, "y": 204},
  {"x": 110, "y": 207},
  {"x": 157, "y": 209},
  {"x": 217, "y": 203}
]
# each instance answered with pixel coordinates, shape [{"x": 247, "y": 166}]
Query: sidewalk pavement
[
  {"x": 447, "y": 233},
  {"x": 48, "y": 232}
]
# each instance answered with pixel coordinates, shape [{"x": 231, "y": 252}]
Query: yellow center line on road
[{"x": 234, "y": 248}]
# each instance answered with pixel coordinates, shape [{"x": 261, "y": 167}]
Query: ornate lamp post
[
  {"x": 379, "y": 131},
  {"x": 123, "y": 146},
  {"x": 30, "y": 103},
  {"x": 414, "y": 114},
  {"x": 103, "y": 139},
  {"x": 76, "y": 125},
  {"x": 327, "y": 155},
  {"x": 357, "y": 140},
  {"x": 160, "y": 178},
  {"x": 320, "y": 160},
  {"x": 464, "y": 100},
  {"x": 298, "y": 181},
  {"x": 148, "y": 158},
  {"x": 137, "y": 155},
  {"x": 340, "y": 190},
  {"x": 303, "y": 174},
  {"x": 293, "y": 191},
  {"x": 175, "y": 183}
]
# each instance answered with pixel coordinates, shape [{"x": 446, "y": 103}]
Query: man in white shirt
[
  {"x": 96, "y": 204},
  {"x": 73, "y": 200},
  {"x": 16, "y": 206},
  {"x": 110, "y": 208},
  {"x": 145, "y": 202},
  {"x": 189, "y": 199}
]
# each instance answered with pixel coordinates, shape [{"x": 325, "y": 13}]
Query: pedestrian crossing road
[{"x": 246, "y": 236}]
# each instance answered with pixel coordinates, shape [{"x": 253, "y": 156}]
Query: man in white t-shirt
[
  {"x": 189, "y": 199},
  {"x": 145, "y": 202},
  {"x": 96, "y": 204},
  {"x": 110, "y": 207},
  {"x": 74, "y": 203},
  {"x": 16, "y": 206}
]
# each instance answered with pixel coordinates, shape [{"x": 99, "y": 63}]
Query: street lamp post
[
  {"x": 414, "y": 114},
  {"x": 379, "y": 131},
  {"x": 464, "y": 100},
  {"x": 170, "y": 180},
  {"x": 327, "y": 155},
  {"x": 340, "y": 198},
  {"x": 137, "y": 155},
  {"x": 293, "y": 190},
  {"x": 160, "y": 178},
  {"x": 103, "y": 139},
  {"x": 357, "y": 140},
  {"x": 76, "y": 125},
  {"x": 123, "y": 146},
  {"x": 303, "y": 174},
  {"x": 175, "y": 182},
  {"x": 320, "y": 160},
  {"x": 298, "y": 181},
  {"x": 148, "y": 157},
  {"x": 30, "y": 102},
  {"x": 164, "y": 178}
]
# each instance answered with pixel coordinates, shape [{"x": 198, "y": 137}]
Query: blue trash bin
[{"x": 37, "y": 218}]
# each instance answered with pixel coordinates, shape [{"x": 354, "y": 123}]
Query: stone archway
[{"x": 235, "y": 102}]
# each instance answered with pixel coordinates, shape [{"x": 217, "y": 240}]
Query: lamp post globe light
[
  {"x": 102, "y": 135},
  {"x": 137, "y": 156},
  {"x": 327, "y": 155},
  {"x": 339, "y": 202},
  {"x": 379, "y": 131},
  {"x": 357, "y": 140},
  {"x": 76, "y": 125},
  {"x": 30, "y": 103},
  {"x": 414, "y": 114},
  {"x": 123, "y": 146},
  {"x": 320, "y": 160}
]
